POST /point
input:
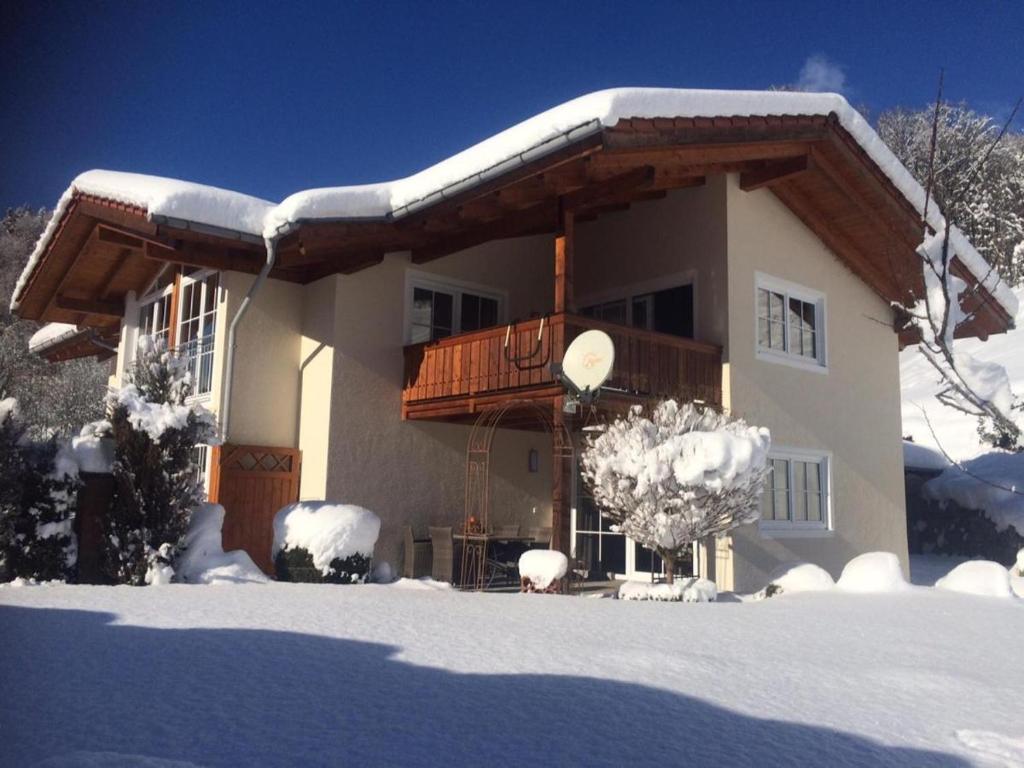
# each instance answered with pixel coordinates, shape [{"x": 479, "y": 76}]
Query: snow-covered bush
[
  {"x": 37, "y": 504},
  {"x": 690, "y": 590},
  {"x": 540, "y": 569},
  {"x": 873, "y": 572},
  {"x": 1017, "y": 569},
  {"x": 203, "y": 559},
  {"x": 676, "y": 476},
  {"x": 319, "y": 541},
  {"x": 155, "y": 431},
  {"x": 792, "y": 578},
  {"x": 978, "y": 577}
]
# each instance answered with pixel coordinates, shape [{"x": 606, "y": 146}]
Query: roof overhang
[{"x": 100, "y": 249}]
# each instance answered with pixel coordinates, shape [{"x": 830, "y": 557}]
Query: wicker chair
[
  {"x": 441, "y": 540},
  {"x": 416, "y": 561}
]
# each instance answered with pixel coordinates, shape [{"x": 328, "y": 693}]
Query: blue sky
[{"x": 269, "y": 98}]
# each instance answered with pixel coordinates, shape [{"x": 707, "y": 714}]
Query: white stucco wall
[{"x": 853, "y": 410}]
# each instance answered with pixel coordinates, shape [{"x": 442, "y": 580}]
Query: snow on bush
[
  {"x": 155, "y": 431},
  {"x": 978, "y": 577},
  {"x": 873, "y": 572},
  {"x": 992, "y": 483},
  {"x": 542, "y": 567},
  {"x": 337, "y": 539},
  {"x": 676, "y": 476},
  {"x": 203, "y": 559},
  {"x": 690, "y": 590},
  {"x": 792, "y": 578},
  {"x": 1018, "y": 567}
]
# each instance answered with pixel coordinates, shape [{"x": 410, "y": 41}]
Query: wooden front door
[{"x": 252, "y": 482}]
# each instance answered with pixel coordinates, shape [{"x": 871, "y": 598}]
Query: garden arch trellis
[{"x": 478, "y": 463}]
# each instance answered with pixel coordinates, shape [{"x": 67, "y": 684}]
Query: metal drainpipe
[{"x": 271, "y": 243}]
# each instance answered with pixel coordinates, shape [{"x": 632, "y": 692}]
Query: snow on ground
[
  {"x": 298, "y": 674},
  {"x": 957, "y": 432}
]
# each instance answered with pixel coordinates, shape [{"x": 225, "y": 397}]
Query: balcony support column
[
  {"x": 561, "y": 479},
  {"x": 565, "y": 246}
]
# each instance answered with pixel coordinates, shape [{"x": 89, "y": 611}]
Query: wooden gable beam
[
  {"x": 90, "y": 306},
  {"x": 202, "y": 255},
  {"x": 637, "y": 180},
  {"x": 532, "y": 221},
  {"x": 127, "y": 238},
  {"x": 772, "y": 173}
]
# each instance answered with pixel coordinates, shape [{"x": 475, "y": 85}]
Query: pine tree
[
  {"x": 676, "y": 476},
  {"x": 155, "y": 431},
  {"x": 37, "y": 504}
]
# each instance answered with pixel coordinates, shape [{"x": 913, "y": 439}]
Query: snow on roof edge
[
  {"x": 242, "y": 213},
  {"x": 50, "y": 335}
]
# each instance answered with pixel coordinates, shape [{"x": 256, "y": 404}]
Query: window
[
  {"x": 155, "y": 318},
  {"x": 790, "y": 323},
  {"x": 796, "y": 495},
  {"x": 196, "y": 329},
  {"x": 201, "y": 458},
  {"x": 438, "y": 310},
  {"x": 664, "y": 311}
]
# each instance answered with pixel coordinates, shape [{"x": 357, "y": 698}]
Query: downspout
[{"x": 271, "y": 243}]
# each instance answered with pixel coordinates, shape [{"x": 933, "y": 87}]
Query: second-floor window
[
  {"x": 790, "y": 323},
  {"x": 191, "y": 331},
  {"x": 438, "y": 310}
]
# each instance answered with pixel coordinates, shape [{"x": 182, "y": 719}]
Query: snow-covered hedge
[
  {"x": 323, "y": 541},
  {"x": 691, "y": 590},
  {"x": 992, "y": 483},
  {"x": 793, "y": 578},
  {"x": 203, "y": 559},
  {"x": 978, "y": 577},
  {"x": 873, "y": 572},
  {"x": 540, "y": 568}
]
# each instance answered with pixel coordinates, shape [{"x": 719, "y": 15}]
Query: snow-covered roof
[
  {"x": 51, "y": 334},
  {"x": 253, "y": 216}
]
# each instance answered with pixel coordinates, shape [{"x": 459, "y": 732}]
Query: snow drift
[
  {"x": 978, "y": 577},
  {"x": 793, "y": 578},
  {"x": 692, "y": 590},
  {"x": 204, "y": 560}
]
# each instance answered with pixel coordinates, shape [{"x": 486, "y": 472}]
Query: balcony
[{"x": 457, "y": 376}]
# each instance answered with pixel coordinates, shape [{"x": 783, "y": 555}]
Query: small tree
[
  {"x": 155, "y": 431},
  {"x": 676, "y": 476},
  {"x": 37, "y": 504}
]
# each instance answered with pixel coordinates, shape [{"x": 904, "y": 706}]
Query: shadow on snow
[{"x": 74, "y": 682}]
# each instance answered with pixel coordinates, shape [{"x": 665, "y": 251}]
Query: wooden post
[
  {"x": 565, "y": 245},
  {"x": 561, "y": 481}
]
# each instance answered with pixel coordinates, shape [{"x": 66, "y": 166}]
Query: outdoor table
[{"x": 473, "y": 573}]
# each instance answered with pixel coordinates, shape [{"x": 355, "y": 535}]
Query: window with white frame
[
  {"x": 796, "y": 495},
  {"x": 437, "y": 310},
  {"x": 790, "y": 323},
  {"x": 155, "y": 317},
  {"x": 197, "y": 326}
]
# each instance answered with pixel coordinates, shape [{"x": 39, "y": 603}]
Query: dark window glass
[{"x": 673, "y": 311}]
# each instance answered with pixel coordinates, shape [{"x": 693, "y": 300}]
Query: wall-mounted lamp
[{"x": 533, "y": 460}]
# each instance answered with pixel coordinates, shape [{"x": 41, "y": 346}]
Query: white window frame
[
  {"x": 802, "y": 528},
  {"x": 431, "y": 282},
  {"x": 200, "y": 277},
  {"x": 790, "y": 290}
]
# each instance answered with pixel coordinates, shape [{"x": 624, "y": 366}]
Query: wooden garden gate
[{"x": 252, "y": 482}]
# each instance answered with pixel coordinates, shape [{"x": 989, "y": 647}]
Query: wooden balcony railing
[{"x": 446, "y": 376}]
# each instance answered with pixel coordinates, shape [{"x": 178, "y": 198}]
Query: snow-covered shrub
[
  {"x": 792, "y": 578},
  {"x": 676, "y": 476},
  {"x": 977, "y": 577},
  {"x": 690, "y": 590},
  {"x": 1017, "y": 569},
  {"x": 203, "y": 559},
  {"x": 155, "y": 432},
  {"x": 540, "y": 569},
  {"x": 873, "y": 572},
  {"x": 38, "y": 490},
  {"x": 323, "y": 542}
]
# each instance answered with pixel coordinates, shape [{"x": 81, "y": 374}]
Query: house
[{"x": 741, "y": 248}]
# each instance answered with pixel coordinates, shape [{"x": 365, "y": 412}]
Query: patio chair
[
  {"x": 416, "y": 560},
  {"x": 541, "y": 536},
  {"x": 441, "y": 541}
]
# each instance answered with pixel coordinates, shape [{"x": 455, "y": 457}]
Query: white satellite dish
[{"x": 588, "y": 362}]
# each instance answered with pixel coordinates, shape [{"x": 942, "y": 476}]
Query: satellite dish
[{"x": 588, "y": 362}]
